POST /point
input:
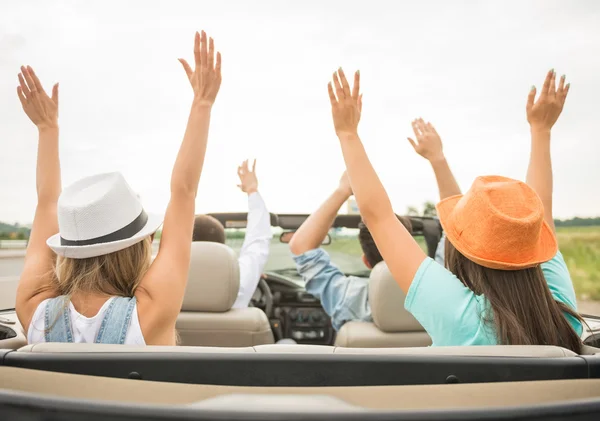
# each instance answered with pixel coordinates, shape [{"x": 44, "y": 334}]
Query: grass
[{"x": 580, "y": 247}]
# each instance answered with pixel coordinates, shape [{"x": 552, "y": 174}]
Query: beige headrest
[
  {"x": 213, "y": 279},
  {"x": 387, "y": 303}
]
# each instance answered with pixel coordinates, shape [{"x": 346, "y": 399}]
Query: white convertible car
[{"x": 228, "y": 366}]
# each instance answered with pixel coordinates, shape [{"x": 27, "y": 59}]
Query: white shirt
[
  {"x": 85, "y": 329},
  {"x": 255, "y": 250}
]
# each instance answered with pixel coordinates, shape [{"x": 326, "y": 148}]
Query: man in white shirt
[{"x": 254, "y": 253}]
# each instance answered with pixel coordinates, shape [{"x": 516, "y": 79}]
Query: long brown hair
[
  {"x": 118, "y": 273},
  {"x": 523, "y": 311}
]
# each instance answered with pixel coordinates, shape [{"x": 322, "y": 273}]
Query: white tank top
[{"x": 85, "y": 329}]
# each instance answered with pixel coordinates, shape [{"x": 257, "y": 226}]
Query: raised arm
[
  {"x": 397, "y": 246},
  {"x": 428, "y": 144},
  {"x": 311, "y": 233},
  {"x": 542, "y": 114},
  {"x": 36, "y": 283},
  {"x": 255, "y": 249},
  {"x": 162, "y": 288}
]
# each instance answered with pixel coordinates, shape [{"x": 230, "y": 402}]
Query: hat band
[{"x": 127, "y": 231}]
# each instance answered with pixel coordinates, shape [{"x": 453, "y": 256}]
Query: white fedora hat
[{"x": 99, "y": 215}]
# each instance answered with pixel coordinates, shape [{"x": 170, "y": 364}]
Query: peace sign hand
[
  {"x": 346, "y": 105},
  {"x": 543, "y": 113},
  {"x": 41, "y": 109},
  {"x": 206, "y": 76}
]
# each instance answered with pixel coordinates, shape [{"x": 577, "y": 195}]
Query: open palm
[{"x": 41, "y": 109}]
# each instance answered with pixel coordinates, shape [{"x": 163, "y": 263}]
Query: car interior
[{"x": 228, "y": 365}]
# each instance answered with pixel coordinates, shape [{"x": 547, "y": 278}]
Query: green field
[{"x": 581, "y": 248}]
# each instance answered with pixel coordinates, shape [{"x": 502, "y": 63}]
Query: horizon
[{"x": 466, "y": 67}]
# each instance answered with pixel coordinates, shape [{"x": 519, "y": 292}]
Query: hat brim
[
  {"x": 94, "y": 250},
  {"x": 545, "y": 250}
]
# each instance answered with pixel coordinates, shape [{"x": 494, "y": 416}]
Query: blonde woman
[{"x": 88, "y": 275}]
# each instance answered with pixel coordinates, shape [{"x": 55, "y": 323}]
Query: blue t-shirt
[{"x": 453, "y": 315}]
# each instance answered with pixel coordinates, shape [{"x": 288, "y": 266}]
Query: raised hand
[
  {"x": 41, "y": 109},
  {"x": 543, "y": 113},
  {"x": 206, "y": 76},
  {"x": 344, "y": 185},
  {"x": 428, "y": 143},
  {"x": 248, "y": 181},
  {"x": 346, "y": 104}
]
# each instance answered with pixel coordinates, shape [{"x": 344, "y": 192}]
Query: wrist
[
  {"x": 540, "y": 134},
  {"x": 47, "y": 127},
  {"x": 343, "y": 192},
  {"x": 540, "y": 130},
  {"x": 353, "y": 135},
  {"x": 436, "y": 160},
  {"x": 201, "y": 104},
  {"x": 251, "y": 191}
]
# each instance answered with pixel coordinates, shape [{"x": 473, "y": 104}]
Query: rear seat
[{"x": 481, "y": 351}]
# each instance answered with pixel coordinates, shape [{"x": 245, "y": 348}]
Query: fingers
[
  {"x": 211, "y": 54},
  {"x": 562, "y": 90},
  {"x": 421, "y": 125},
  {"x": 23, "y": 86},
  {"x": 413, "y": 143},
  {"x": 186, "y": 67},
  {"x": 218, "y": 66},
  {"x": 431, "y": 129},
  {"x": 203, "y": 52},
  {"x": 561, "y": 84},
  {"x": 531, "y": 97},
  {"x": 55, "y": 94},
  {"x": 546, "y": 86},
  {"x": 338, "y": 87},
  {"x": 566, "y": 91},
  {"x": 345, "y": 84},
  {"x": 29, "y": 80},
  {"x": 332, "y": 97},
  {"x": 360, "y": 103},
  {"x": 36, "y": 80},
  {"x": 416, "y": 129},
  {"x": 197, "y": 57},
  {"x": 254, "y": 166},
  {"x": 21, "y": 96},
  {"x": 356, "y": 87},
  {"x": 552, "y": 89}
]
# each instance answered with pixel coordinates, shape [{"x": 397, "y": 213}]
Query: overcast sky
[{"x": 466, "y": 66}]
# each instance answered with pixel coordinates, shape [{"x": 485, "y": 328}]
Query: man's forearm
[
  {"x": 539, "y": 173},
  {"x": 446, "y": 182},
  {"x": 311, "y": 233}
]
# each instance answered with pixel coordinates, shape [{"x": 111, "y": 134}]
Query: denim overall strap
[
  {"x": 57, "y": 320},
  {"x": 117, "y": 319}
]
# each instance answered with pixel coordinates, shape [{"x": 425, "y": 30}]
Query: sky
[{"x": 466, "y": 66}]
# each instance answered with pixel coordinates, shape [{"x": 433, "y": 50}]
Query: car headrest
[
  {"x": 213, "y": 278},
  {"x": 387, "y": 303}
]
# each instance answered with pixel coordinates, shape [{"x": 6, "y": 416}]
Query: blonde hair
[{"x": 118, "y": 273}]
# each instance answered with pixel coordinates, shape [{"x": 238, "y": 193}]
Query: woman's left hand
[{"x": 41, "y": 109}]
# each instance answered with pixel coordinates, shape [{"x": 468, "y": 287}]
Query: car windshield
[{"x": 344, "y": 249}]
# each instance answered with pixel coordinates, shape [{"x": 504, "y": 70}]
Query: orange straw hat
[{"x": 499, "y": 224}]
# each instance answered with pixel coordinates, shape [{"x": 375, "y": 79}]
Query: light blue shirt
[
  {"x": 453, "y": 315},
  {"x": 344, "y": 298}
]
